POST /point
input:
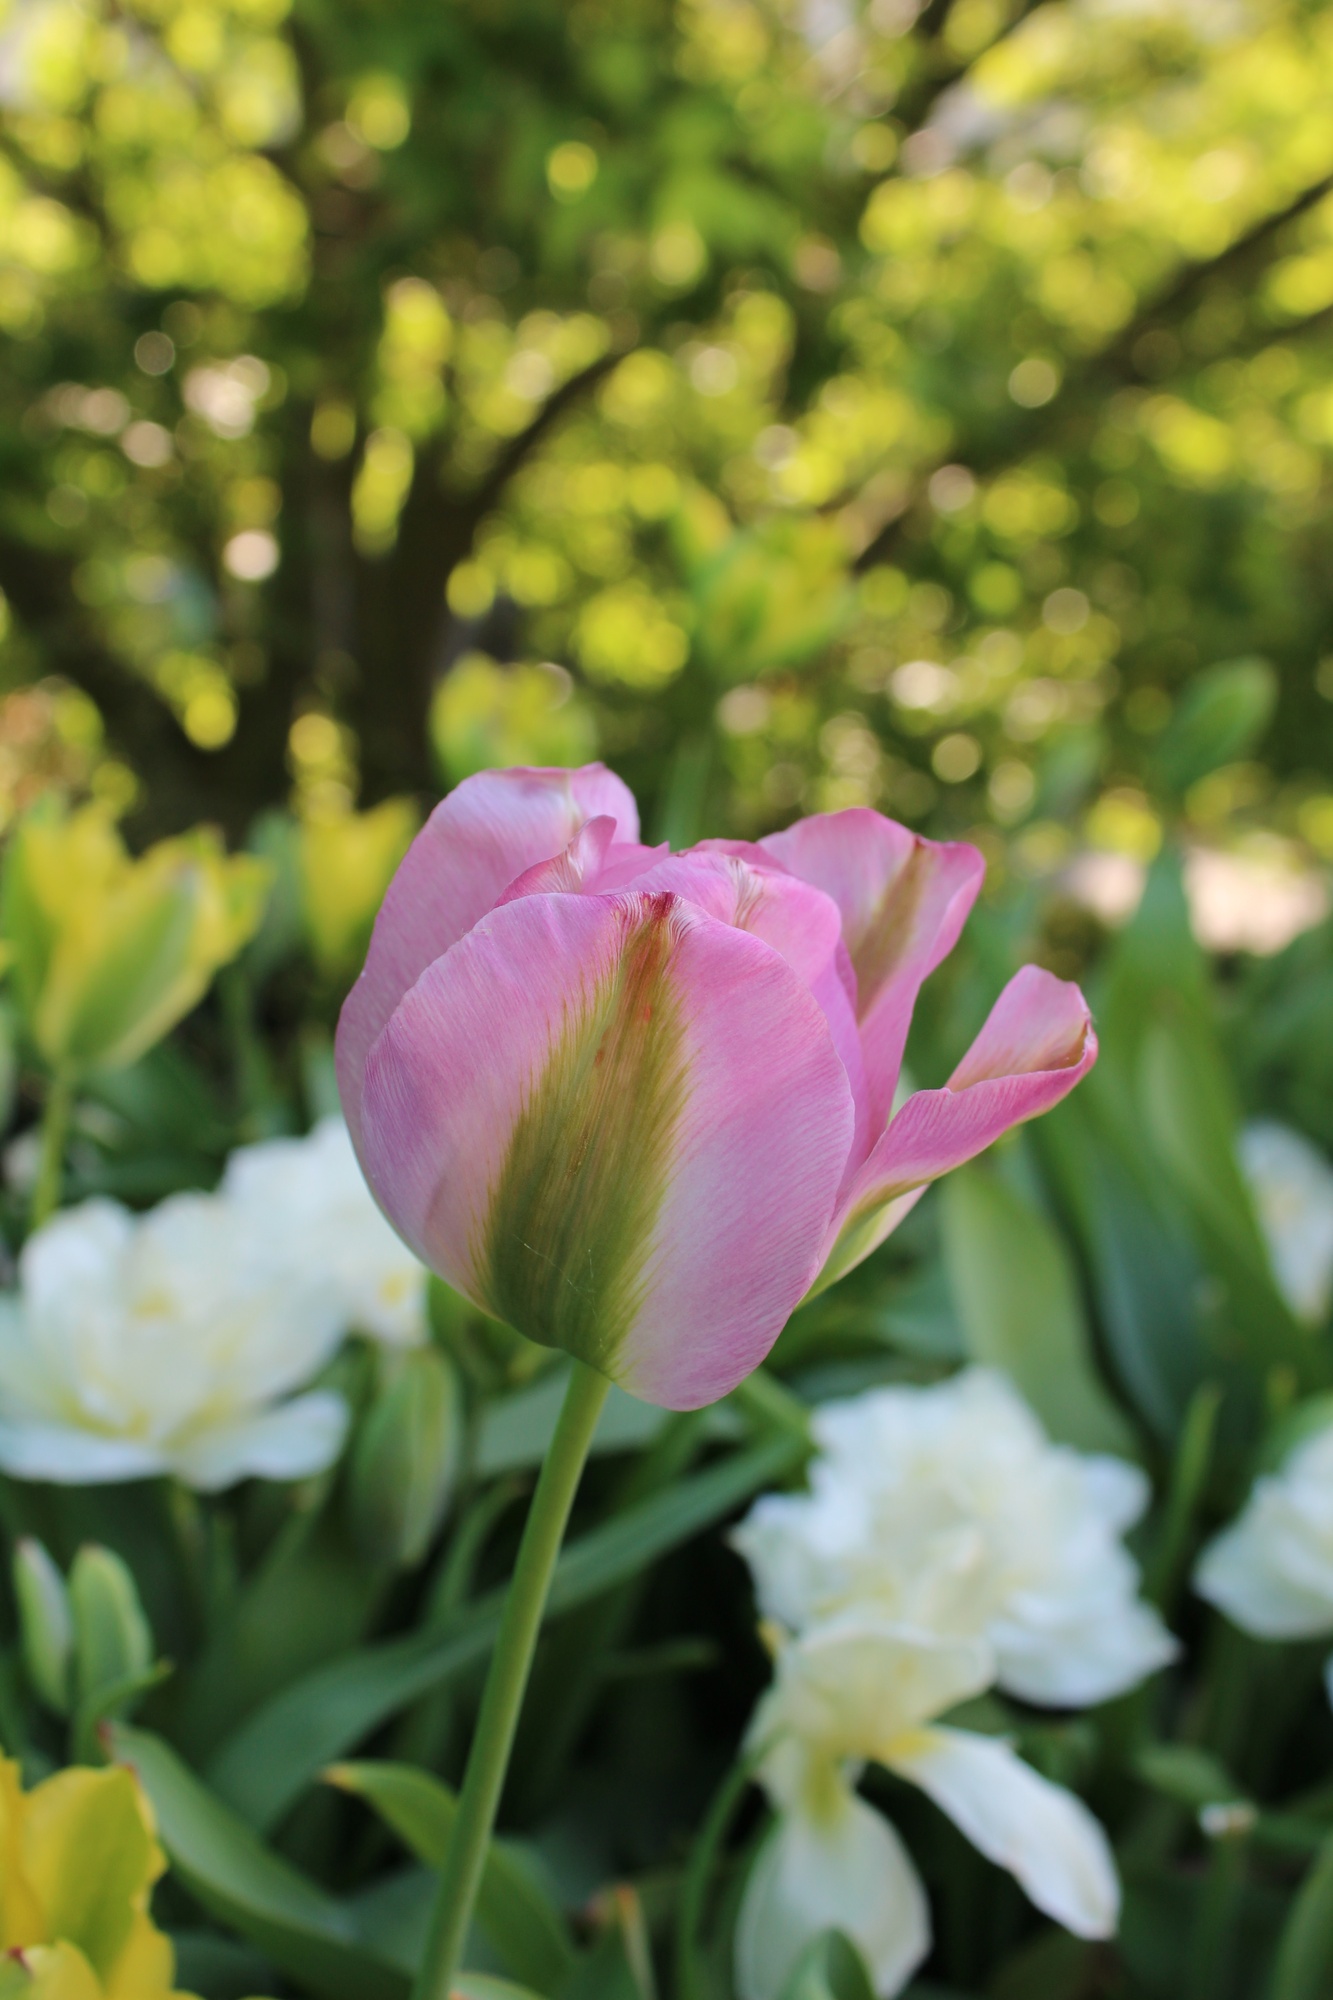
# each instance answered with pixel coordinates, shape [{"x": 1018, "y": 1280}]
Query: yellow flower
[
  {"x": 78, "y": 1860},
  {"x": 345, "y": 861},
  {"x": 108, "y": 952}
]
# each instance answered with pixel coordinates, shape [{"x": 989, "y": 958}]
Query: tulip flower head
[
  {"x": 947, "y": 1509},
  {"x": 1292, "y": 1186},
  {"x": 305, "y": 1202},
  {"x": 171, "y": 1342},
  {"x": 862, "y": 1689},
  {"x": 78, "y": 1860},
  {"x": 1271, "y": 1571},
  {"x": 109, "y": 953},
  {"x": 638, "y": 1104}
]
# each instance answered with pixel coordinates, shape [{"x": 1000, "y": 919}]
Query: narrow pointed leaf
[{"x": 521, "y": 1922}]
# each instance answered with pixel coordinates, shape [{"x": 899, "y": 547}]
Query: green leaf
[
  {"x": 245, "y": 1885},
  {"x": 265, "y": 1765},
  {"x": 1184, "y": 1097},
  {"x": 1224, "y": 713},
  {"x": 484, "y": 1986},
  {"x": 515, "y": 1430},
  {"x": 522, "y": 1923},
  {"x": 1304, "y": 1966},
  {"x": 1145, "y": 1268},
  {"x": 831, "y": 1968},
  {"x": 1018, "y": 1301},
  {"x": 1187, "y": 1774}
]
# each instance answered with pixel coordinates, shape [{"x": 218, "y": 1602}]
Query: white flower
[
  {"x": 309, "y": 1198},
  {"x": 1292, "y": 1185},
  {"x": 166, "y": 1343},
  {"x": 1271, "y": 1571},
  {"x": 947, "y": 1509},
  {"x": 863, "y": 1689}
]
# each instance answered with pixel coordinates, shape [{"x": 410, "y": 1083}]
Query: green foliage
[{"x": 924, "y": 407}]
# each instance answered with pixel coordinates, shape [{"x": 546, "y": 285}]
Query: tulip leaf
[
  {"x": 830, "y": 1968},
  {"x": 264, "y": 1766},
  {"x": 485, "y": 1986},
  {"x": 1303, "y": 1969},
  {"x": 515, "y": 1430},
  {"x": 1222, "y": 716},
  {"x": 1018, "y": 1301},
  {"x": 522, "y": 1923},
  {"x": 245, "y": 1885},
  {"x": 1188, "y": 1774},
  {"x": 1184, "y": 1102}
]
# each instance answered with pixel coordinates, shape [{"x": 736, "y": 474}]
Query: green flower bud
[
  {"x": 405, "y": 1461},
  {"x": 113, "y": 1642},
  {"x": 46, "y": 1625}
]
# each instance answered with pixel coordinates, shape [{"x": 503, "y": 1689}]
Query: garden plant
[{"x": 666, "y": 1000}]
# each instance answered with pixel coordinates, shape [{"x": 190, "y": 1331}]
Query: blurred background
[{"x": 798, "y": 404}]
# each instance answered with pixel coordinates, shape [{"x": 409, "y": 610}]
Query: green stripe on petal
[{"x": 577, "y": 1200}]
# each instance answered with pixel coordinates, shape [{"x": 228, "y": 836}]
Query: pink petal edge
[
  {"x": 487, "y": 831},
  {"x": 904, "y": 901},
  {"x": 1037, "y": 1044}
]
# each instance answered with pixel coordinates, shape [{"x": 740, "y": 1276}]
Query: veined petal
[
  {"x": 594, "y": 863},
  {"x": 485, "y": 833},
  {"x": 1041, "y": 1833},
  {"x": 293, "y": 1441},
  {"x": 1036, "y": 1045},
  {"x": 903, "y": 901},
  {"x": 845, "y": 1870},
  {"x": 572, "y": 1118},
  {"x": 801, "y": 924}
]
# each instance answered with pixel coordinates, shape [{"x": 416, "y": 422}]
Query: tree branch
[
  {"x": 1117, "y": 357},
  {"x": 512, "y": 456}
]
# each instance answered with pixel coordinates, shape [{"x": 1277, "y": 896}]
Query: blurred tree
[{"x": 893, "y": 405}]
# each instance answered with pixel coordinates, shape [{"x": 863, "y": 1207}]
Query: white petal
[
  {"x": 1040, "y": 1832},
  {"x": 846, "y": 1870},
  {"x": 294, "y": 1441},
  {"x": 1116, "y": 1490},
  {"x": 1248, "y": 1572},
  {"x": 69, "y": 1456},
  {"x": 1085, "y": 1660},
  {"x": 857, "y": 1683}
]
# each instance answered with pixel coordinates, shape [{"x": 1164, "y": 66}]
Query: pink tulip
[{"x": 639, "y": 1104}]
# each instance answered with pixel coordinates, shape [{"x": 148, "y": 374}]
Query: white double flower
[
  {"x": 945, "y": 1546},
  {"x": 1271, "y": 1571},
  {"x": 177, "y": 1342}
]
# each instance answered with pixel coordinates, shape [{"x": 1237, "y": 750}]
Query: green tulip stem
[
  {"x": 511, "y": 1662},
  {"x": 55, "y": 1127}
]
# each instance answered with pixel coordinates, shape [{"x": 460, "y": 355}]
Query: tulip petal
[
  {"x": 801, "y": 924},
  {"x": 903, "y": 901},
  {"x": 485, "y": 833},
  {"x": 594, "y": 863},
  {"x": 572, "y": 1118},
  {"x": 1041, "y": 1833},
  {"x": 1036, "y": 1045},
  {"x": 846, "y": 1870},
  {"x": 293, "y": 1441}
]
